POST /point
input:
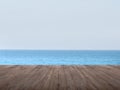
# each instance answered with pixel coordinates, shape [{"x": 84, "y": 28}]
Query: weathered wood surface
[{"x": 60, "y": 77}]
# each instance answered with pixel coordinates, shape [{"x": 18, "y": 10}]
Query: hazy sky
[{"x": 60, "y": 24}]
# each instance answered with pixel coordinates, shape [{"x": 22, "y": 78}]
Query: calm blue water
[{"x": 44, "y": 57}]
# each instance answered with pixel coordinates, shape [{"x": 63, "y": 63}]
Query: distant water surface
[{"x": 59, "y": 57}]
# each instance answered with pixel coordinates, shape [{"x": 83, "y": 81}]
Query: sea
[{"x": 59, "y": 57}]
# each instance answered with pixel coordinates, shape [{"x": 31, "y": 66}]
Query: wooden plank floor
[{"x": 60, "y": 77}]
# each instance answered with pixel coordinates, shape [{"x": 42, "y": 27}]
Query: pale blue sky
[{"x": 60, "y": 24}]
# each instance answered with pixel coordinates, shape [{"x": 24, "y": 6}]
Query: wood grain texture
[{"x": 40, "y": 77}]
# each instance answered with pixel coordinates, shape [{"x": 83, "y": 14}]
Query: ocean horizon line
[{"x": 67, "y": 49}]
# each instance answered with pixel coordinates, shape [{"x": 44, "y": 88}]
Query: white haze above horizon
[{"x": 60, "y": 24}]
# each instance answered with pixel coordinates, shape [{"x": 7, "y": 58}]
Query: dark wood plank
[
  {"x": 40, "y": 77},
  {"x": 62, "y": 79}
]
